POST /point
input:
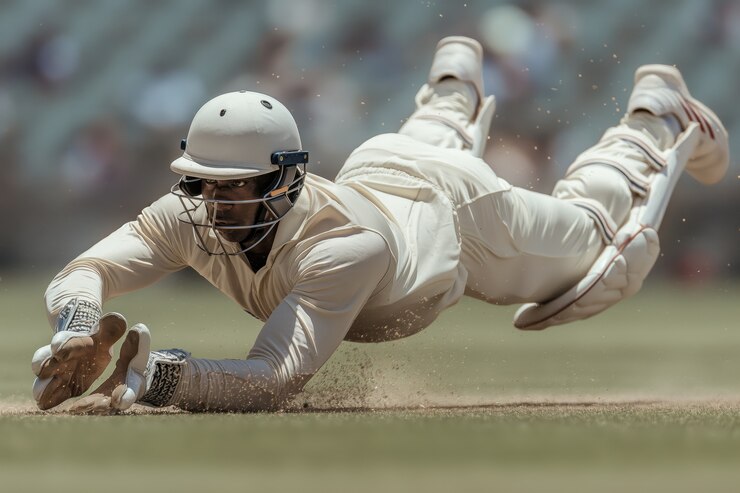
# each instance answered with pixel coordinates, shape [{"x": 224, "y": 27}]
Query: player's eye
[
  {"x": 237, "y": 183},
  {"x": 209, "y": 182}
]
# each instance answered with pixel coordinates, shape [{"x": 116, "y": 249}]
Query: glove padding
[
  {"x": 74, "y": 360},
  {"x": 127, "y": 383},
  {"x": 617, "y": 274}
]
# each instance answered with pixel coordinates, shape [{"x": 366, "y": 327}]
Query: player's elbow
[{"x": 287, "y": 385}]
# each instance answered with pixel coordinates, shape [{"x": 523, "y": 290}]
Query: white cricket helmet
[{"x": 240, "y": 135}]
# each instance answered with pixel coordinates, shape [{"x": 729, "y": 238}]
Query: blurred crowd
[{"x": 96, "y": 95}]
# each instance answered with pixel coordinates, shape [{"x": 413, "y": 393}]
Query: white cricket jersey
[{"x": 348, "y": 263}]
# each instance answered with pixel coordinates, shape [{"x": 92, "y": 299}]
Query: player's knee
[{"x": 601, "y": 184}]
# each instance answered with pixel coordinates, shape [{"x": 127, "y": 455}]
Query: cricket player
[{"x": 413, "y": 221}]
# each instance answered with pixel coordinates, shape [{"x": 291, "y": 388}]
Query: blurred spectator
[
  {"x": 513, "y": 158},
  {"x": 7, "y": 113},
  {"x": 522, "y": 46},
  {"x": 167, "y": 98},
  {"x": 95, "y": 159},
  {"x": 722, "y": 26},
  {"x": 51, "y": 58},
  {"x": 561, "y": 72}
]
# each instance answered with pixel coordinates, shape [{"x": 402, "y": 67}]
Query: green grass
[
  {"x": 545, "y": 446},
  {"x": 643, "y": 397}
]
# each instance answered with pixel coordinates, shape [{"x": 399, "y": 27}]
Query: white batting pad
[{"x": 620, "y": 270}]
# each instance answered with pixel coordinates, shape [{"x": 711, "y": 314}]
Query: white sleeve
[
  {"x": 137, "y": 254},
  {"x": 334, "y": 281}
]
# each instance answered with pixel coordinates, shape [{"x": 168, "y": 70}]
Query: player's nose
[{"x": 224, "y": 194}]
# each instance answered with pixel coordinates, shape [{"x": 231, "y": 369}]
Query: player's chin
[{"x": 233, "y": 235}]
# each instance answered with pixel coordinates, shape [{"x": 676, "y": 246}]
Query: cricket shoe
[
  {"x": 460, "y": 58},
  {"x": 661, "y": 90}
]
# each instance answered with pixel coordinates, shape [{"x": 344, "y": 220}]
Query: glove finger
[
  {"x": 129, "y": 348},
  {"x": 40, "y": 358},
  {"x": 111, "y": 328},
  {"x": 118, "y": 378},
  {"x": 135, "y": 355},
  {"x": 139, "y": 360},
  {"x": 53, "y": 393},
  {"x": 51, "y": 367},
  {"x": 66, "y": 382},
  {"x": 66, "y": 345},
  {"x": 39, "y": 386},
  {"x": 78, "y": 371},
  {"x": 98, "y": 404}
]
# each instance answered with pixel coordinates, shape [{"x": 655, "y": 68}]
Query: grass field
[{"x": 645, "y": 397}]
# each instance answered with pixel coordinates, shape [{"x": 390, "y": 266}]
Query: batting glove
[
  {"x": 79, "y": 352},
  {"x": 140, "y": 375}
]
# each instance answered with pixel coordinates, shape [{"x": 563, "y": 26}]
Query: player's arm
[
  {"x": 137, "y": 254},
  {"x": 334, "y": 281}
]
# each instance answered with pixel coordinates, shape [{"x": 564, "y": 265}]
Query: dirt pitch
[{"x": 525, "y": 407}]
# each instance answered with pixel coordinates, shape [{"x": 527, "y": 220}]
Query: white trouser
[{"x": 519, "y": 245}]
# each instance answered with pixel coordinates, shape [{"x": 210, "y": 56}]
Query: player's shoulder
[
  {"x": 167, "y": 205},
  {"x": 348, "y": 250},
  {"x": 167, "y": 202},
  {"x": 164, "y": 212}
]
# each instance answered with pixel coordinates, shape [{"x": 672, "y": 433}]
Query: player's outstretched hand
[
  {"x": 74, "y": 360},
  {"x": 127, "y": 383}
]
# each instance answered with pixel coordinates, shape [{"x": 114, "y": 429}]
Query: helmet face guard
[{"x": 276, "y": 201}]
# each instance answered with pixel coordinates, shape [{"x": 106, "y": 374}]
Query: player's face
[{"x": 225, "y": 216}]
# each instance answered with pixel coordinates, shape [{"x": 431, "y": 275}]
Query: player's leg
[
  {"x": 519, "y": 245},
  {"x": 542, "y": 245},
  {"x": 451, "y": 109},
  {"x": 660, "y": 98},
  {"x": 623, "y": 185}
]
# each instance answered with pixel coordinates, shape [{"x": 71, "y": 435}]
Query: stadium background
[
  {"x": 95, "y": 96},
  {"x": 94, "y": 99}
]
